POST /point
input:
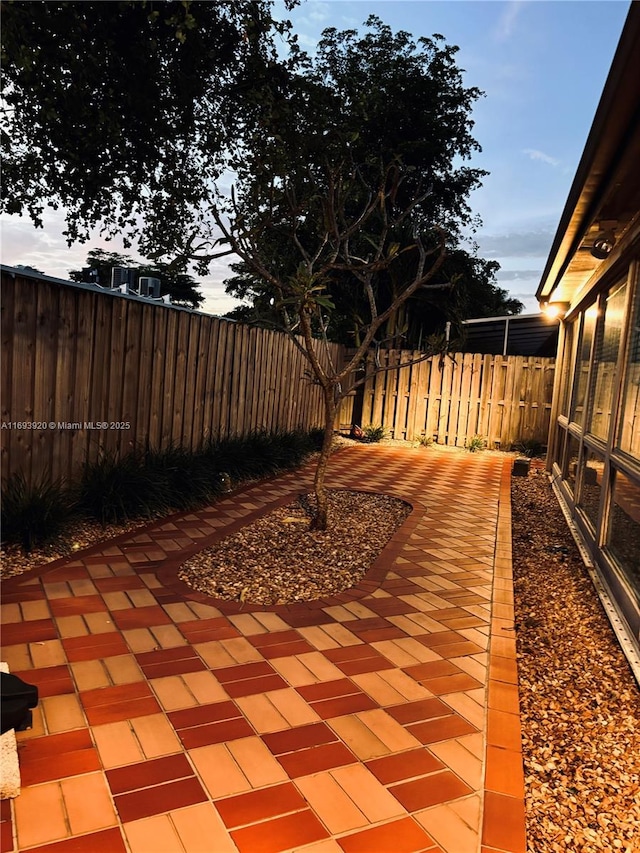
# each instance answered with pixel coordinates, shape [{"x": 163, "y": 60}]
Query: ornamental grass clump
[
  {"x": 476, "y": 444},
  {"x": 34, "y": 513},
  {"x": 115, "y": 490},
  {"x": 374, "y": 433}
]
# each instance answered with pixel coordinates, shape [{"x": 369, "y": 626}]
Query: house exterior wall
[{"x": 594, "y": 442}]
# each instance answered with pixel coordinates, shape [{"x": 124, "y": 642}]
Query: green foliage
[
  {"x": 425, "y": 440},
  {"x": 114, "y": 490},
  {"x": 377, "y": 115},
  {"x": 374, "y": 433},
  {"x": 122, "y": 112},
  {"x": 147, "y": 483},
  {"x": 476, "y": 444},
  {"x": 34, "y": 514},
  {"x": 187, "y": 479},
  {"x": 529, "y": 447}
]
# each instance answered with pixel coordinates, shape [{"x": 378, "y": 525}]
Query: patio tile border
[{"x": 503, "y": 822}]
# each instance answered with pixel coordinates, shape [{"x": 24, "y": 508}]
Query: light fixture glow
[
  {"x": 554, "y": 309},
  {"x": 603, "y": 245}
]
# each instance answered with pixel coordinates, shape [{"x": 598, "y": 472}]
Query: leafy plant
[
  {"x": 425, "y": 440},
  {"x": 145, "y": 483},
  {"x": 476, "y": 444},
  {"x": 118, "y": 489},
  {"x": 34, "y": 513},
  {"x": 529, "y": 447},
  {"x": 187, "y": 479},
  {"x": 374, "y": 433}
]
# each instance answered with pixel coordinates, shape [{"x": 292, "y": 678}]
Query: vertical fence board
[
  {"x": 433, "y": 398},
  {"x": 192, "y": 427},
  {"x": 210, "y": 427},
  {"x": 22, "y": 381},
  {"x": 45, "y": 376},
  {"x": 130, "y": 382},
  {"x": 83, "y": 358},
  {"x": 182, "y": 414},
  {"x": 7, "y": 305},
  {"x": 65, "y": 381},
  {"x": 145, "y": 374},
  {"x": 158, "y": 380}
]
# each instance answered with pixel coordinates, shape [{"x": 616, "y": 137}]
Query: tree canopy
[
  {"x": 121, "y": 112},
  {"x": 368, "y": 110}
]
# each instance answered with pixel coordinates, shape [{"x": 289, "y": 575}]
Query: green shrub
[
  {"x": 146, "y": 483},
  {"x": 529, "y": 447},
  {"x": 113, "y": 490},
  {"x": 316, "y": 438},
  {"x": 36, "y": 513},
  {"x": 188, "y": 479},
  {"x": 373, "y": 433},
  {"x": 425, "y": 440},
  {"x": 476, "y": 443}
]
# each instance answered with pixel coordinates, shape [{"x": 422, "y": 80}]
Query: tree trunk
[{"x": 322, "y": 500}]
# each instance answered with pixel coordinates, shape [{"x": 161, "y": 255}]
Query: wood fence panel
[
  {"x": 389, "y": 410},
  {"x": 222, "y": 376},
  {"x": 465, "y": 397},
  {"x": 127, "y": 438},
  {"x": 23, "y": 377},
  {"x": 77, "y": 355},
  {"x": 211, "y": 425},
  {"x": 455, "y": 404},
  {"x": 402, "y": 398},
  {"x": 278, "y": 368},
  {"x": 192, "y": 405},
  {"x": 475, "y": 379},
  {"x": 509, "y": 400},
  {"x": 65, "y": 380},
  {"x": 45, "y": 370},
  {"x": 446, "y": 373},
  {"x": 503, "y": 399},
  {"x": 145, "y": 378},
  {"x": 7, "y": 307},
  {"x": 195, "y": 389}
]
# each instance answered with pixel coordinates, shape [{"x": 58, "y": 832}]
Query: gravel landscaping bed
[
  {"x": 580, "y": 703},
  {"x": 277, "y": 559}
]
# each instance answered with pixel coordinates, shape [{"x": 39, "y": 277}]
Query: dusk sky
[{"x": 542, "y": 66}]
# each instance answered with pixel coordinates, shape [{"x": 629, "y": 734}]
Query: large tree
[
  {"x": 352, "y": 197},
  {"x": 175, "y": 282},
  {"x": 389, "y": 98}
]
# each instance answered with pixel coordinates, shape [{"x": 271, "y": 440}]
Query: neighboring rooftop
[{"x": 519, "y": 334}]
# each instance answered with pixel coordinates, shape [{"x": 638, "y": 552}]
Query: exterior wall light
[
  {"x": 603, "y": 245},
  {"x": 554, "y": 309}
]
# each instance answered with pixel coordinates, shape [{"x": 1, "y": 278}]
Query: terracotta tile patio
[{"x": 382, "y": 720}]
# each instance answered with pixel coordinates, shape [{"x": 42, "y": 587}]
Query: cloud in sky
[
  {"x": 534, "y": 154},
  {"x": 507, "y": 22},
  {"x": 525, "y": 244},
  {"x": 318, "y": 12},
  {"x": 518, "y": 275}
]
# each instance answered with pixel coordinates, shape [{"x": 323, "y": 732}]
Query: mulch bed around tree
[
  {"x": 580, "y": 703},
  {"x": 278, "y": 560}
]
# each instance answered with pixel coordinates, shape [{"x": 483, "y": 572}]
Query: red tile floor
[{"x": 382, "y": 720}]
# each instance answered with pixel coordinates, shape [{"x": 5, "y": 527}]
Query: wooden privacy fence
[
  {"x": 451, "y": 399},
  {"x": 85, "y": 371}
]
